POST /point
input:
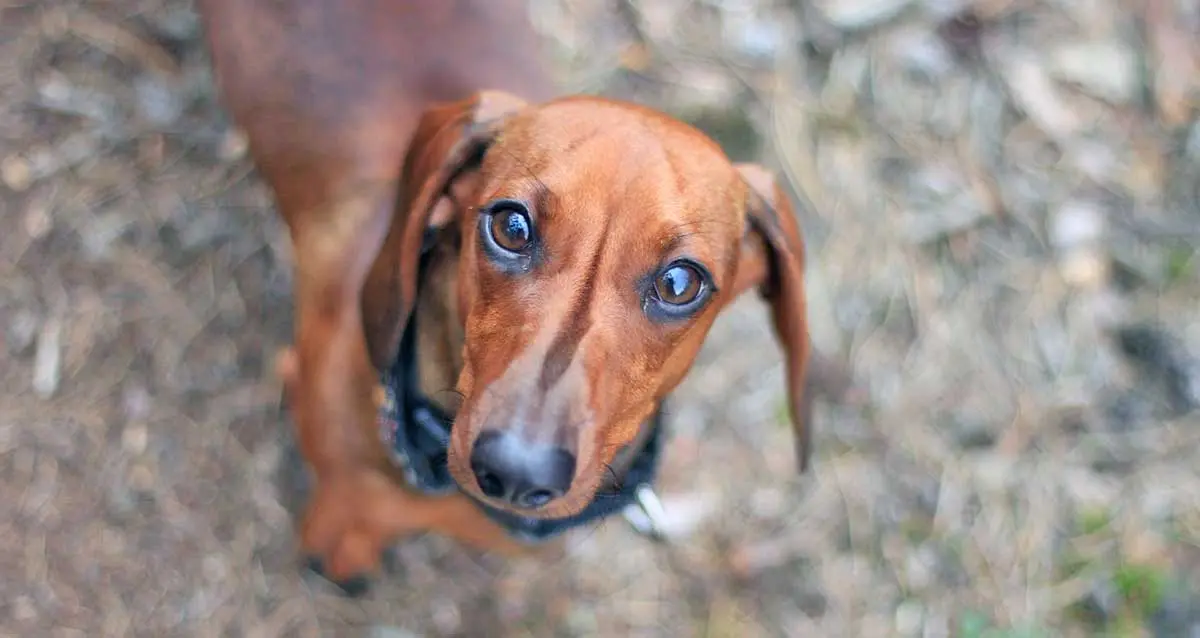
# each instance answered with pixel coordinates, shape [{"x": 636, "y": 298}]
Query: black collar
[{"x": 417, "y": 432}]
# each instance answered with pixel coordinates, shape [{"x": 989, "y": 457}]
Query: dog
[{"x": 496, "y": 286}]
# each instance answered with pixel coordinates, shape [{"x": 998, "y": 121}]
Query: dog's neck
[{"x": 439, "y": 343}]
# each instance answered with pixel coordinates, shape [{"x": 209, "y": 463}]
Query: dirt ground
[{"x": 1002, "y": 199}]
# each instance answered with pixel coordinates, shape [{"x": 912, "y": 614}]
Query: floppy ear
[
  {"x": 449, "y": 141},
  {"x": 773, "y": 261}
]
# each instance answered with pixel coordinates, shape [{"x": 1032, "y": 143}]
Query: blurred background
[{"x": 1002, "y": 203}]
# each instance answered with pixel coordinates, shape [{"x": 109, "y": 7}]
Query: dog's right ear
[{"x": 450, "y": 139}]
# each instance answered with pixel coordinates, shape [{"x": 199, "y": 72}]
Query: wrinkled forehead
[{"x": 589, "y": 161}]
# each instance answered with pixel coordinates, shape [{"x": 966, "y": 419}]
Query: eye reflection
[
  {"x": 511, "y": 229},
  {"x": 679, "y": 284}
]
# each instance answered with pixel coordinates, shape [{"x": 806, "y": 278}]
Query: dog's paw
[{"x": 343, "y": 534}]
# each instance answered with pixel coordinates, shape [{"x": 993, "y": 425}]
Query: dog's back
[{"x": 321, "y": 84}]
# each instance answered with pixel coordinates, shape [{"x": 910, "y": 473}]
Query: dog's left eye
[
  {"x": 511, "y": 229},
  {"x": 679, "y": 290},
  {"x": 679, "y": 284}
]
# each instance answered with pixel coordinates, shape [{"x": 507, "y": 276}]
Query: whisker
[
  {"x": 540, "y": 186},
  {"x": 616, "y": 485}
]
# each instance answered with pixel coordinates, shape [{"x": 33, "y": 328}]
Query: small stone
[
  {"x": 1156, "y": 502},
  {"x": 77, "y": 148},
  {"x": 180, "y": 23},
  {"x": 1162, "y": 355},
  {"x": 16, "y": 173},
  {"x": 37, "y": 221},
  {"x": 660, "y": 21},
  {"x": 1086, "y": 269},
  {"x": 135, "y": 438},
  {"x": 1075, "y": 224},
  {"x": 389, "y": 631},
  {"x": 1107, "y": 70},
  {"x": 215, "y": 568},
  {"x": 994, "y": 471},
  {"x": 974, "y": 434},
  {"x": 909, "y": 616},
  {"x": 1089, "y": 490},
  {"x": 945, "y": 9},
  {"x": 446, "y": 616},
  {"x": 1102, "y": 602},
  {"x": 770, "y": 502},
  {"x": 135, "y": 403},
  {"x": 102, "y": 231},
  {"x": 936, "y": 626},
  {"x": 151, "y": 152},
  {"x": 120, "y": 500},
  {"x": 8, "y": 439},
  {"x": 22, "y": 331},
  {"x": 156, "y": 102},
  {"x": 860, "y": 14},
  {"x": 1035, "y": 93},
  {"x": 233, "y": 146},
  {"x": 23, "y": 609},
  {"x": 1099, "y": 162},
  {"x": 922, "y": 52},
  {"x": 757, "y": 39},
  {"x": 112, "y": 541},
  {"x": 704, "y": 87},
  {"x": 920, "y": 567},
  {"x": 1179, "y": 614},
  {"x": 47, "y": 365},
  {"x": 141, "y": 478},
  {"x": 1184, "y": 386},
  {"x": 1144, "y": 547},
  {"x": 54, "y": 87}
]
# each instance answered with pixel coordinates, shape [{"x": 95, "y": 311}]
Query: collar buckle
[{"x": 646, "y": 514}]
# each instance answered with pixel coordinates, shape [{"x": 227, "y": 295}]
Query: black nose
[{"x": 526, "y": 475}]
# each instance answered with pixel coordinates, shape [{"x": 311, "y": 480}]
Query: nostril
[
  {"x": 489, "y": 483},
  {"x": 537, "y": 498}
]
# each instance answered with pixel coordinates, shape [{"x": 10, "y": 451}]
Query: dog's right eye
[{"x": 508, "y": 236}]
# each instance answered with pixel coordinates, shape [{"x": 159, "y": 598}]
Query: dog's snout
[{"x": 524, "y": 474}]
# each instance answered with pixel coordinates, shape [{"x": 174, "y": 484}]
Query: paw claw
[
  {"x": 353, "y": 587},
  {"x": 314, "y": 565}
]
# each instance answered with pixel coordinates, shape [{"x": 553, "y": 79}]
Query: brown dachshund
[{"x": 539, "y": 271}]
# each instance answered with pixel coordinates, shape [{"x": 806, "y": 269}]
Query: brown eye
[
  {"x": 511, "y": 229},
  {"x": 679, "y": 285}
]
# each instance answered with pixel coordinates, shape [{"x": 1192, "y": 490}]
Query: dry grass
[{"x": 1001, "y": 199}]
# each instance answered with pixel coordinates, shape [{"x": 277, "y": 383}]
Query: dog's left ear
[
  {"x": 773, "y": 261},
  {"x": 448, "y": 144}
]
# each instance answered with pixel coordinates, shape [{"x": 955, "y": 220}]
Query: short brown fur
[{"x": 375, "y": 122}]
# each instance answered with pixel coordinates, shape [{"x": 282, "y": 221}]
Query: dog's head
[{"x": 599, "y": 242}]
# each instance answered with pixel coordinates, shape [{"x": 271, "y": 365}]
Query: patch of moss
[
  {"x": 783, "y": 414},
  {"x": 1142, "y": 588},
  {"x": 1136, "y": 593},
  {"x": 1179, "y": 263},
  {"x": 916, "y": 529},
  {"x": 974, "y": 624},
  {"x": 1072, "y": 564},
  {"x": 1093, "y": 520}
]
